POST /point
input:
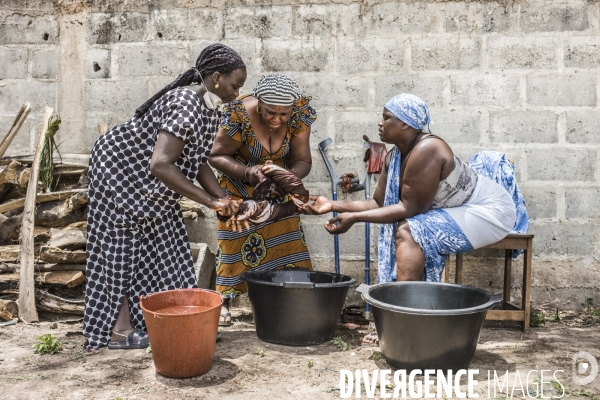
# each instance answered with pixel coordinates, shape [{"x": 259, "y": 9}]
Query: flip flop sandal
[
  {"x": 135, "y": 340},
  {"x": 225, "y": 319},
  {"x": 371, "y": 335}
]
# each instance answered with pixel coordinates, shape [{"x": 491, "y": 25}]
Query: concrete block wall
[{"x": 519, "y": 76}]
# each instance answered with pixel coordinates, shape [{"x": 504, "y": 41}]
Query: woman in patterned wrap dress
[
  {"x": 271, "y": 124},
  {"x": 137, "y": 242}
]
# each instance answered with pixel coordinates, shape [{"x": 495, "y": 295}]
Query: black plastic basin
[
  {"x": 428, "y": 325},
  {"x": 296, "y": 307}
]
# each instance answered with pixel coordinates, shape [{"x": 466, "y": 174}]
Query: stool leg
[
  {"x": 507, "y": 277},
  {"x": 459, "y": 267},
  {"x": 445, "y": 272},
  {"x": 527, "y": 283}
]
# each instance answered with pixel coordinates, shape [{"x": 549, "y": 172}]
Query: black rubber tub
[
  {"x": 296, "y": 307},
  {"x": 428, "y": 325}
]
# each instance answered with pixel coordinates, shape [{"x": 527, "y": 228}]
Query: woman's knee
[{"x": 403, "y": 232}]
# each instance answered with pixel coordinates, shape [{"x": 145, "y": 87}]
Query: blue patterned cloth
[
  {"x": 435, "y": 231},
  {"x": 409, "y": 109},
  {"x": 496, "y": 166}
]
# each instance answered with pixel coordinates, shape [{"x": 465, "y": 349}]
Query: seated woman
[
  {"x": 270, "y": 126},
  {"x": 428, "y": 201}
]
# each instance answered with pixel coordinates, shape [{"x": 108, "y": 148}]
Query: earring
[
  {"x": 217, "y": 85},
  {"x": 258, "y": 109}
]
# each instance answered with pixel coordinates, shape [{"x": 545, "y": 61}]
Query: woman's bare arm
[
  {"x": 300, "y": 159},
  {"x": 167, "y": 150},
  {"x": 221, "y": 156}
]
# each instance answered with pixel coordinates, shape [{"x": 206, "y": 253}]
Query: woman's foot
[
  {"x": 225, "y": 317},
  {"x": 371, "y": 338},
  {"x": 129, "y": 339}
]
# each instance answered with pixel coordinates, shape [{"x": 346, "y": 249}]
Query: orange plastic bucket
[{"x": 182, "y": 327}]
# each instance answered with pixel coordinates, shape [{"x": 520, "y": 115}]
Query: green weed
[
  {"x": 48, "y": 344},
  {"x": 339, "y": 342}
]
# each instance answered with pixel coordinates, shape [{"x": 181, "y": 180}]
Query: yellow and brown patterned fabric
[{"x": 270, "y": 245}]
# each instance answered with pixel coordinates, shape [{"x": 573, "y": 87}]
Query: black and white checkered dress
[{"x": 137, "y": 242}]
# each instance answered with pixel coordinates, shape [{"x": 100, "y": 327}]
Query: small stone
[{"x": 54, "y": 325}]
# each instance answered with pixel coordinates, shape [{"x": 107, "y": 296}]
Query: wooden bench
[{"x": 509, "y": 311}]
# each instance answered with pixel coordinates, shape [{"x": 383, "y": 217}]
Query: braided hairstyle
[{"x": 214, "y": 58}]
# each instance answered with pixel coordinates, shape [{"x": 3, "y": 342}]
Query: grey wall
[{"x": 516, "y": 76}]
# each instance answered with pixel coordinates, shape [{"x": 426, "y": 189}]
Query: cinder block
[
  {"x": 462, "y": 17},
  {"x": 583, "y": 202},
  {"x": 539, "y": 201},
  {"x": 562, "y": 89},
  {"x": 246, "y": 48},
  {"x": 395, "y": 18},
  {"x": 118, "y": 28},
  {"x": 40, "y": 94},
  {"x": 382, "y": 55},
  {"x": 522, "y": 52},
  {"x": 499, "y": 18},
  {"x": 563, "y": 238},
  {"x": 322, "y": 128},
  {"x": 445, "y": 53},
  {"x": 550, "y": 16},
  {"x": 21, "y": 144},
  {"x": 335, "y": 92},
  {"x": 560, "y": 165},
  {"x": 582, "y": 52},
  {"x": 144, "y": 60},
  {"x": 262, "y": 22},
  {"x": 97, "y": 63},
  {"x": 296, "y": 55},
  {"x": 13, "y": 63},
  {"x": 117, "y": 96},
  {"x": 428, "y": 88},
  {"x": 27, "y": 5},
  {"x": 111, "y": 119},
  {"x": 27, "y": 29},
  {"x": 583, "y": 127},
  {"x": 186, "y": 24},
  {"x": 488, "y": 90},
  {"x": 523, "y": 126},
  {"x": 350, "y": 126},
  {"x": 144, "y": 6},
  {"x": 45, "y": 64},
  {"x": 457, "y": 126},
  {"x": 315, "y": 20},
  {"x": 344, "y": 160}
]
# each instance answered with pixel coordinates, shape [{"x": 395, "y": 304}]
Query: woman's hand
[
  {"x": 226, "y": 207},
  {"x": 251, "y": 174},
  {"x": 320, "y": 205},
  {"x": 237, "y": 226},
  {"x": 344, "y": 222}
]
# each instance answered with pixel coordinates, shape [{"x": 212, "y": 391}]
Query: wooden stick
[
  {"x": 27, "y": 310},
  {"x": 49, "y": 302},
  {"x": 42, "y": 198},
  {"x": 16, "y": 125},
  {"x": 11, "y": 267}
]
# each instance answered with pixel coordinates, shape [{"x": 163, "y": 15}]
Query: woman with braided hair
[
  {"x": 270, "y": 126},
  {"x": 137, "y": 242}
]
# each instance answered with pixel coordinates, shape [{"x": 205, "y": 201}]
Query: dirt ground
[{"x": 241, "y": 372}]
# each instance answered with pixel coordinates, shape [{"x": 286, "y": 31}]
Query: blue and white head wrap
[{"x": 410, "y": 109}]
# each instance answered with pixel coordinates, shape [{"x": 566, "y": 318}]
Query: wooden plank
[
  {"x": 71, "y": 239},
  {"x": 8, "y": 310},
  {"x": 512, "y": 306},
  {"x": 42, "y": 198},
  {"x": 66, "y": 278},
  {"x": 507, "y": 277},
  {"x": 48, "y": 302},
  {"x": 58, "y": 256},
  {"x": 10, "y": 253},
  {"x": 509, "y": 243},
  {"x": 11, "y": 267},
  {"x": 505, "y": 315},
  {"x": 527, "y": 284},
  {"x": 459, "y": 269},
  {"x": 27, "y": 310},
  {"x": 14, "y": 129}
]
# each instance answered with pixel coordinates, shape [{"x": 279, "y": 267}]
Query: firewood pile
[{"x": 45, "y": 232}]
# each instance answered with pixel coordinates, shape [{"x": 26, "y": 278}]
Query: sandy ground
[{"x": 239, "y": 372}]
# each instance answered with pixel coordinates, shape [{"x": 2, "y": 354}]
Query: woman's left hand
[{"x": 344, "y": 222}]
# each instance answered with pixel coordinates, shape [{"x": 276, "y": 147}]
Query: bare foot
[{"x": 371, "y": 338}]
